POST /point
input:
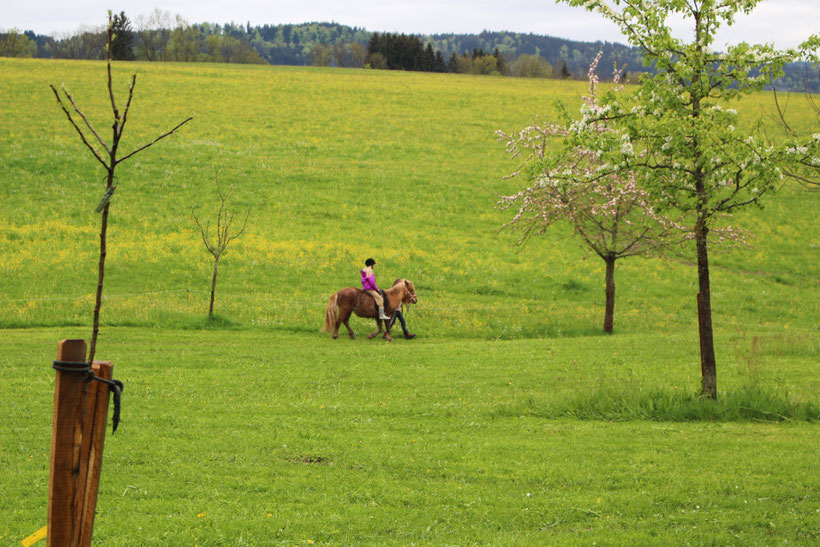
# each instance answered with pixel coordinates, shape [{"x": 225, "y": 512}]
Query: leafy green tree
[
  {"x": 183, "y": 45},
  {"x": 84, "y": 43},
  {"x": 320, "y": 55},
  {"x": 485, "y": 65},
  {"x": 531, "y": 66},
  {"x": 154, "y": 35},
  {"x": 358, "y": 55},
  {"x": 376, "y": 61},
  {"x": 341, "y": 54},
  {"x": 684, "y": 144},
  {"x": 15, "y": 44},
  {"x": 501, "y": 63}
]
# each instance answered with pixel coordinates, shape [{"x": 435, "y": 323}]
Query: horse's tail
[{"x": 331, "y": 313}]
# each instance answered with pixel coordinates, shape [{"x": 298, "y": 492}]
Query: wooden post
[
  {"x": 66, "y": 434},
  {"x": 100, "y": 394},
  {"x": 78, "y": 434}
]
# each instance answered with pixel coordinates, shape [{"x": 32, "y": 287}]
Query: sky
[{"x": 786, "y": 23}]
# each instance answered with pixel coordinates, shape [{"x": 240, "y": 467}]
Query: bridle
[{"x": 408, "y": 296}]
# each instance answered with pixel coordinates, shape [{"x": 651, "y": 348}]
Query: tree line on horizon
[{"x": 161, "y": 36}]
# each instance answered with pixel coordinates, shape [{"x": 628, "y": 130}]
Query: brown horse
[{"x": 352, "y": 300}]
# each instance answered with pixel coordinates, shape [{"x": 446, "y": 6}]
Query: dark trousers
[{"x": 400, "y": 316}]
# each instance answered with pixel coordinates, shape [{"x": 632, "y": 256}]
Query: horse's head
[{"x": 409, "y": 293}]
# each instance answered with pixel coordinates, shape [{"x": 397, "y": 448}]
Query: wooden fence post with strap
[{"x": 77, "y": 440}]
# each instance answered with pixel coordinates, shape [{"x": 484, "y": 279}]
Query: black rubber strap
[{"x": 115, "y": 386}]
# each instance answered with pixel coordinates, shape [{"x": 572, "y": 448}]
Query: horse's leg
[
  {"x": 345, "y": 318},
  {"x": 349, "y": 330},
  {"x": 378, "y": 332},
  {"x": 387, "y": 332}
]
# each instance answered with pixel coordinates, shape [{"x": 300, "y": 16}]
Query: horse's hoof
[
  {"x": 388, "y": 338},
  {"x": 335, "y": 336},
  {"x": 372, "y": 335},
  {"x": 352, "y": 336}
]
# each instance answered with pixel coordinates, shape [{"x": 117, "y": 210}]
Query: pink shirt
[{"x": 369, "y": 281}]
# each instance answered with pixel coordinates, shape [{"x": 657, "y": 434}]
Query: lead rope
[{"x": 114, "y": 386}]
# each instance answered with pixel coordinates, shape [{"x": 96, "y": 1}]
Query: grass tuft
[{"x": 746, "y": 404}]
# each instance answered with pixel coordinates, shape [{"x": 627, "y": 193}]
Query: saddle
[{"x": 384, "y": 298}]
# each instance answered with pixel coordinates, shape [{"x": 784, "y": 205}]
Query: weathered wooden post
[{"x": 77, "y": 439}]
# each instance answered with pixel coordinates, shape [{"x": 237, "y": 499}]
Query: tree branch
[
  {"x": 128, "y": 103},
  {"x": 79, "y": 131},
  {"x": 155, "y": 140},
  {"x": 87, "y": 123},
  {"x": 203, "y": 232},
  {"x": 108, "y": 62}
]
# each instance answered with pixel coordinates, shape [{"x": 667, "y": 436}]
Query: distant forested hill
[
  {"x": 292, "y": 45},
  {"x": 162, "y": 37}
]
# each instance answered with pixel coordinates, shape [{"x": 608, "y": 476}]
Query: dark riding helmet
[{"x": 369, "y": 262}]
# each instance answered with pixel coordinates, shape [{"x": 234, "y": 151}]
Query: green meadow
[{"x": 510, "y": 420}]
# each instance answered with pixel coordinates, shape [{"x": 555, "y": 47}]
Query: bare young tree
[
  {"x": 106, "y": 155},
  {"x": 224, "y": 223}
]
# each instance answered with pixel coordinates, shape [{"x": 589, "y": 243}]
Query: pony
[{"x": 352, "y": 300}]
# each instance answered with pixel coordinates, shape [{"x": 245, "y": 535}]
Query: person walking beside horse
[
  {"x": 351, "y": 300},
  {"x": 369, "y": 286}
]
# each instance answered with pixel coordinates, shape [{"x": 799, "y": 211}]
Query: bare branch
[
  {"x": 127, "y": 104},
  {"x": 108, "y": 62},
  {"x": 204, "y": 232},
  {"x": 803, "y": 181},
  {"x": 79, "y": 131},
  {"x": 87, "y": 123},
  {"x": 155, "y": 140},
  {"x": 244, "y": 225},
  {"x": 781, "y": 111}
]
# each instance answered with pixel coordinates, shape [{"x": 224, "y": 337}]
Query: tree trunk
[
  {"x": 92, "y": 349},
  {"x": 708, "y": 367},
  {"x": 609, "y": 313},
  {"x": 213, "y": 289}
]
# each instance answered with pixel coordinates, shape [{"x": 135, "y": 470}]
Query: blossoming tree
[
  {"x": 571, "y": 180},
  {"x": 686, "y": 148}
]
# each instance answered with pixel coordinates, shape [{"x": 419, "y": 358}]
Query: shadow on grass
[{"x": 746, "y": 404}]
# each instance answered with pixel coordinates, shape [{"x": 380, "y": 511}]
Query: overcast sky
[{"x": 784, "y": 22}]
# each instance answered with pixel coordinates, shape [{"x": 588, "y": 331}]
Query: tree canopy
[{"x": 678, "y": 133}]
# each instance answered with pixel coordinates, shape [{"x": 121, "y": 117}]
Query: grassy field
[
  {"x": 510, "y": 420},
  {"x": 249, "y": 438}
]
